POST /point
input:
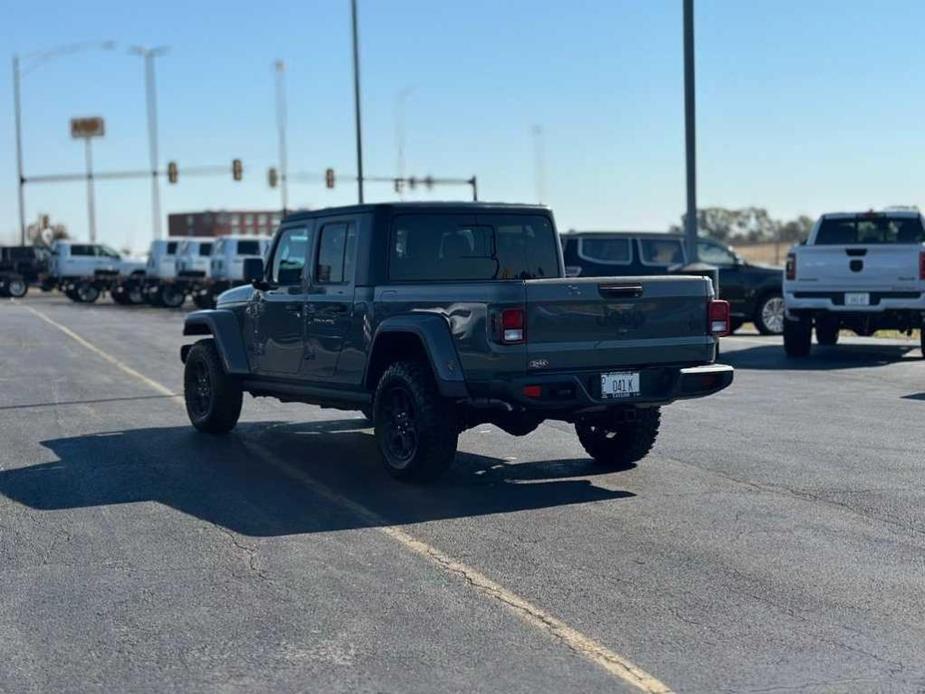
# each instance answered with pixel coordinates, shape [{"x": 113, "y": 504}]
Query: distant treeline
[{"x": 749, "y": 224}]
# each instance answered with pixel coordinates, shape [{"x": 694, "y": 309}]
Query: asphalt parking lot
[{"x": 773, "y": 541}]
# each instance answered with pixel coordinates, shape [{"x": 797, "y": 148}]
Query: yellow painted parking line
[{"x": 583, "y": 645}]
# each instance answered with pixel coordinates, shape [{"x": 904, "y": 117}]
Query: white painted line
[{"x": 583, "y": 645}]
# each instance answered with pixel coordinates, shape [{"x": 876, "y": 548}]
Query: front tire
[
  {"x": 415, "y": 427},
  {"x": 171, "y": 297},
  {"x": 17, "y": 287},
  {"x": 213, "y": 397},
  {"x": 798, "y": 338},
  {"x": 769, "y": 317},
  {"x": 618, "y": 445},
  {"x": 87, "y": 293}
]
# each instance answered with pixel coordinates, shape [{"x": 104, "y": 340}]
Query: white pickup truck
[
  {"x": 84, "y": 270},
  {"x": 858, "y": 271}
]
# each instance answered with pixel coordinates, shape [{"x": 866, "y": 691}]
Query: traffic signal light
[
  {"x": 429, "y": 182},
  {"x": 329, "y": 178},
  {"x": 172, "y": 172},
  {"x": 399, "y": 185},
  {"x": 412, "y": 182},
  {"x": 237, "y": 169},
  {"x": 272, "y": 176}
]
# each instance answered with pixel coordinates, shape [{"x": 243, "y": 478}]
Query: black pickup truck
[{"x": 434, "y": 318}]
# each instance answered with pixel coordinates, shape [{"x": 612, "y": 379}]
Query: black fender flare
[
  {"x": 223, "y": 326},
  {"x": 433, "y": 331}
]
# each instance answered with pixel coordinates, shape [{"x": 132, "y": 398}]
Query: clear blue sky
[{"x": 803, "y": 106}]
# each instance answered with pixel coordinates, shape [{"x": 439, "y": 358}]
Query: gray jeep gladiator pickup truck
[{"x": 434, "y": 318}]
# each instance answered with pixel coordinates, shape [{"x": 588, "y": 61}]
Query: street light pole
[
  {"x": 356, "y": 100},
  {"x": 281, "y": 121},
  {"x": 690, "y": 139},
  {"x": 148, "y": 55},
  {"x": 17, "y": 109}
]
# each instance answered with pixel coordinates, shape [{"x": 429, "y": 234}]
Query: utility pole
[
  {"x": 690, "y": 138},
  {"x": 148, "y": 55},
  {"x": 356, "y": 101},
  {"x": 281, "y": 121},
  {"x": 19, "y": 173}
]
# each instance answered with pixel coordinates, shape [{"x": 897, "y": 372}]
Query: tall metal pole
[
  {"x": 91, "y": 208},
  {"x": 148, "y": 55},
  {"x": 356, "y": 100},
  {"x": 19, "y": 173},
  {"x": 690, "y": 138},
  {"x": 281, "y": 121}
]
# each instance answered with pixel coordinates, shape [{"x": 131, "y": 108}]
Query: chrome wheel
[{"x": 772, "y": 316}]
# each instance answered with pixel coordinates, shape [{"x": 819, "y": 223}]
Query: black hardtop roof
[{"x": 444, "y": 207}]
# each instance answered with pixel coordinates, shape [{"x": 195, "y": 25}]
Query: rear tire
[
  {"x": 17, "y": 287},
  {"x": 769, "y": 316},
  {"x": 415, "y": 427},
  {"x": 827, "y": 331},
  {"x": 171, "y": 297},
  {"x": 620, "y": 444},
  {"x": 213, "y": 397},
  {"x": 798, "y": 337}
]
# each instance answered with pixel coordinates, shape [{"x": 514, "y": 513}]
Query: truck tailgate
[
  {"x": 609, "y": 323},
  {"x": 869, "y": 267}
]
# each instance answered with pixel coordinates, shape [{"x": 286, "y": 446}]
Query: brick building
[{"x": 223, "y": 222}]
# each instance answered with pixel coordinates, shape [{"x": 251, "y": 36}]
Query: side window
[
  {"x": 714, "y": 254},
  {"x": 289, "y": 260},
  {"x": 249, "y": 248},
  {"x": 610, "y": 251},
  {"x": 336, "y": 254},
  {"x": 661, "y": 252}
]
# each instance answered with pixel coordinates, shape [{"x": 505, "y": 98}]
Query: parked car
[
  {"x": 194, "y": 269},
  {"x": 434, "y": 318},
  {"x": 858, "y": 271},
  {"x": 753, "y": 291},
  {"x": 83, "y": 271},
  {"x": 22, "y": 267},
  {"x": 161, "y": 273}
]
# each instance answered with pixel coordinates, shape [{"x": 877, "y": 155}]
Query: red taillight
[
  {"x": 922, "y": 265},
  {"x": 791, "y": 267},
  {"x": 718, "y": 318},
  {"x": 512, "y": 326},
  {"x": 533, "y": 391}
]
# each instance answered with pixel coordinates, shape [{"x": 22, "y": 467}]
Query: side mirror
[{"x": 253, "y": 270}]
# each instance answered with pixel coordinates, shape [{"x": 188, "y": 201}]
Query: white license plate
[
  {"x": 857, "y": 299},
  {"x": 620, "y": 384}
]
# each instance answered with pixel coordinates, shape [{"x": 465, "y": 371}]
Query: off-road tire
[
  {"x": 827, "y": 332},
  {"x": 620, "y": 444},
  {"x": 213, "y": 397},
  {"x": 431, "y": 418},
  {"x": 769, "y": 307},
  {"x": 798, "y": 338}
]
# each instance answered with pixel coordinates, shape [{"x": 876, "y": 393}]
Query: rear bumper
[
  {"x": 574, "y": 392},
  {"x": 881, "y": 301}
]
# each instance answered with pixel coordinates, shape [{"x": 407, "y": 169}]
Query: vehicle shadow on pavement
[
  {"x": 823, "y": 358},
  {"x": 237, "y": 481}
]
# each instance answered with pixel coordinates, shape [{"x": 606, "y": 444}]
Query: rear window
[
  {"x": 614, "y": 251},
  {"x": 248, "y": 247},
  {"x": 456, "y": 247},
  {"x": 205, "y": 249},
  {"x": 865, "y": 230},
  {"x": 663, "y": 252}
]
